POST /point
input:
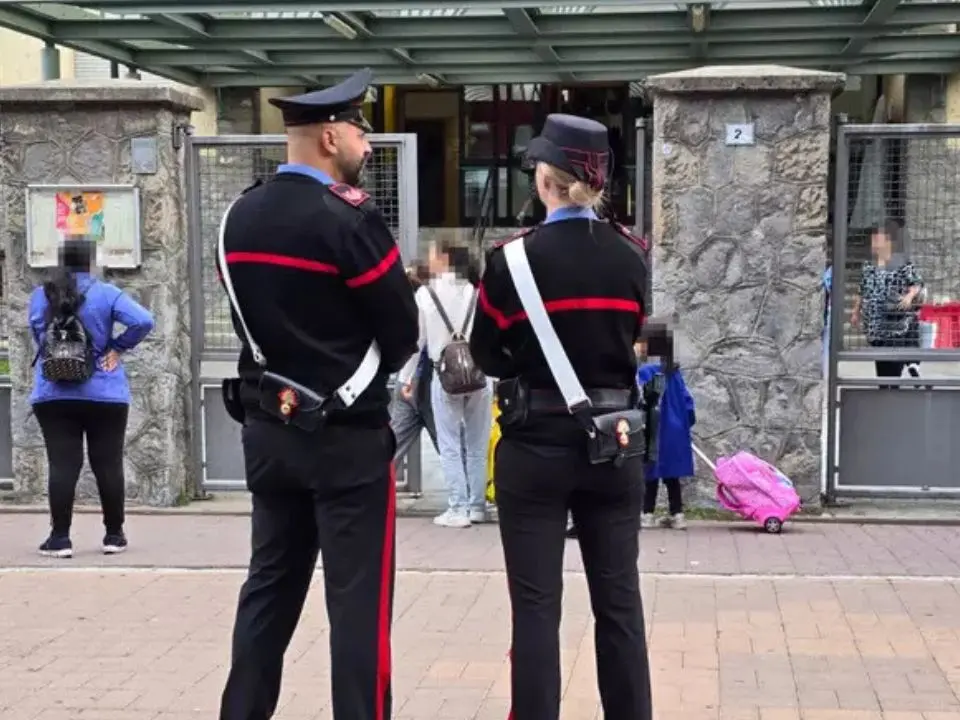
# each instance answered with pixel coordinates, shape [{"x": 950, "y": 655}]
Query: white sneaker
[
  {"x": 647, "y": 520},
  {"x": 478, "y": 516},
  {"x": 452, "y": 519},
  {"x": 678, "y": 522}
]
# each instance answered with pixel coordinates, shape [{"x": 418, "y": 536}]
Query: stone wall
[
  {"x": 739, "y": 250},
  {"x": 63, "y": 132}
]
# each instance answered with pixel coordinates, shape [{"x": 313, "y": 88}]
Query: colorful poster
[{"x": 80, "y": 213}]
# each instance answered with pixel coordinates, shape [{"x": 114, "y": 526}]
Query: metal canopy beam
[
  {"x": 523, "y": 25},
  {"x": 538, "y": 74},
  {"x": 878, "y": 12},
  {"x": 738, "y": 25}
]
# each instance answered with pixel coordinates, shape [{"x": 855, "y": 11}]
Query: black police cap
[
  {"x": 340, "y": 103},
  {"x": 577, "y": 145}
]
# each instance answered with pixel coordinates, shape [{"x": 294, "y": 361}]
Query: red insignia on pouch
[
  {"x": 623, "y": 433},
  {"x": 288, "y": 401}
]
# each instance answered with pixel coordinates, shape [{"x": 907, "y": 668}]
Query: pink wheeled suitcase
[{"x": 753, "y": 489}]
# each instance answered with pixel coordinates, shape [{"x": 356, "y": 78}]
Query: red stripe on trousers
[
  {"x": 376, "y": 272},
  {"x": 384, "y": 660},
  {"x": 260, "y": 258},
  {"x": 510, "y": 657}
]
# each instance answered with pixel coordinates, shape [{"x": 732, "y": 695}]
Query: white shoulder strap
[
  {"x": 355, "y": 384},
  {"x": 258, "y": 356},
  {"x": 557, "y": 359}
]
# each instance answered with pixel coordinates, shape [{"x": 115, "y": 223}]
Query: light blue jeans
[{"x": 463, "y": 457}]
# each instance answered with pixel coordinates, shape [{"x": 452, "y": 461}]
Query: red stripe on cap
[
  {"x": 376, "y": 272},
  {"x": 384, "y": 660},
  {"x": 288, "y": 261}
]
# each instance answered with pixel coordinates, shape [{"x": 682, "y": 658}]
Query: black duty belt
[{"x": 551, "y": 401}]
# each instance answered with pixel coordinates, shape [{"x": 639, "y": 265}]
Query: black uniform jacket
[
  {"x": 318, "y": 276},
  {"x": 592, "y": 276}
]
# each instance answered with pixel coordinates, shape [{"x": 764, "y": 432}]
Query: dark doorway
[{"x": 431, "y": 169}]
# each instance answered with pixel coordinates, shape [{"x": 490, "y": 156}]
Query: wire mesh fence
[
  {"x": 223, "y": 170},
  {"x": 901, "y": 278}
]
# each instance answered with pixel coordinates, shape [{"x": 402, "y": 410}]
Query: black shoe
[
  {"x": 57, "y": 546},
  {"x": 114, "y": 543}
]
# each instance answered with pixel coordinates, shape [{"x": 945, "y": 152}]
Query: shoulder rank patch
[
  {"x": 628, "y": 234},
  {"x": 349, "y": 194},
  {"x": 522, "y": 233}
]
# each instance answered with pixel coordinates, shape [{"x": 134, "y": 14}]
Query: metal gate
[
  {"x": 217, "y": 170},
  {"x": 887, "y": 434}
]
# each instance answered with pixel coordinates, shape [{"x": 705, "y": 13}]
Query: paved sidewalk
[
  {"x": 153, "y": 646},
  {"x": 194, "y": 541},
  {"x": 823, "y": 627}
]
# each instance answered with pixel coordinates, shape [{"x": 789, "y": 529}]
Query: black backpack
[
  {"x": 66, "y": 350},
  {"x": 456, "y": 371}
]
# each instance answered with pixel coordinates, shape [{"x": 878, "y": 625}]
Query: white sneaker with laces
[
  {"x": 678, "y": 522},
  {"x": 452, "y": 519},
  {"x": 647, "y": 520}
]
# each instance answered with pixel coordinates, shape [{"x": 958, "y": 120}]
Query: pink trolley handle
[
  {"x": 721, "y": 490},
  {"x": 703, "y": 456}
]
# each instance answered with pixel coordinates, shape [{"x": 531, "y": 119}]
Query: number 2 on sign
[{"x": 740, "y": 134}]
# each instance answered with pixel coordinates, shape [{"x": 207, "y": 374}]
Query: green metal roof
[{"x": 298, "y": 42}]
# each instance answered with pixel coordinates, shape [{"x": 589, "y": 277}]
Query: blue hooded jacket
[
  {"x": 105, "y": 305},
  {"x": 677, "y": 416}
]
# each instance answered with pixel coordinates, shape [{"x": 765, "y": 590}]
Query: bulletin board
[{"x": 109, "y": 215}]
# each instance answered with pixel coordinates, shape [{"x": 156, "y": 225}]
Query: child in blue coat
[{"x": 674, "y": 445}]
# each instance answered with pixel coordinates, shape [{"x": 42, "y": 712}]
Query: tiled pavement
[
  {"x": 794, "y": 640},
  {"x": 205, "y": 541}
]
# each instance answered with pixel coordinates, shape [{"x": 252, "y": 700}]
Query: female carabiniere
[{"x": 559, "y": 309}]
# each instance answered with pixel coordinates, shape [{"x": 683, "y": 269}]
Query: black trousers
[
  {"x": 674, "y": 495},
  {"x": 535, "y": 490},
  {"x": 64, "y": 424},
  {"x": 894, "y": 368},
  {"x": 331, "y": 492}
]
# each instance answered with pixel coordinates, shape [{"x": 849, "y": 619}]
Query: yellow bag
[{"x": 492, "y": 452}]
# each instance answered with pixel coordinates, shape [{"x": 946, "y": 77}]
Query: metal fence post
[
  {"x": 409, "y": 199},
  {"x": 197, "y": 318},
  {"x": 837, "y": 296},
  {"x": 640, "y": 179}
]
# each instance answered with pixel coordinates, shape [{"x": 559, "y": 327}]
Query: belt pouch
[{"x": 291, "y": 403}]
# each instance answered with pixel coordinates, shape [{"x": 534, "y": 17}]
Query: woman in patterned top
[{"x": 888, "y": 302}]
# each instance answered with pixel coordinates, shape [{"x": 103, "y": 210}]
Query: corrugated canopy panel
[{"x": 479, "y": 42}]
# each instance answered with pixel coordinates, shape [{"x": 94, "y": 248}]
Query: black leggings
[
  {"x": 64, "y": 424},
  {"x": 674, "y": 495}
]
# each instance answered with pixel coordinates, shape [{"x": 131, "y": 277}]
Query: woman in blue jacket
[
  {"x": 674, "y": 445},
  {"x": 96, "y": 408}
]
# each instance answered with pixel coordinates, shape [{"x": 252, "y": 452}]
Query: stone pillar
[
  {"x": 64, "y": 132},
  {"x": 739, "y": 251}
]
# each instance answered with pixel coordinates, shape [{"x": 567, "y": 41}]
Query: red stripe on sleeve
[
  {"x": 376, "y": 272},
  {"x": 498, "y": 317},
  {"x": 288, "y": 261},
  {"x": 574, "y": 304}
]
